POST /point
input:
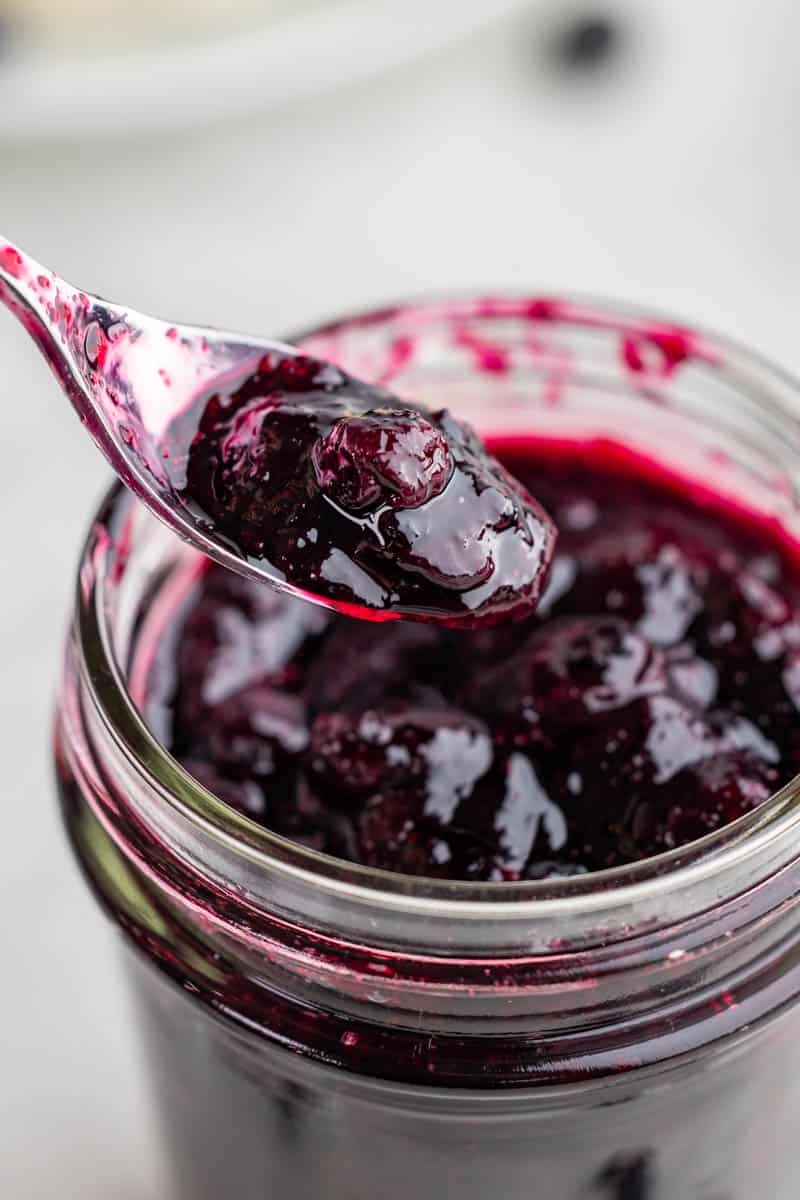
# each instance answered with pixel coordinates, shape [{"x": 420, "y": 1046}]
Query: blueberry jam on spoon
[
  {"x": 373, "y": 504},
  {"x": 283, "y": 468}
]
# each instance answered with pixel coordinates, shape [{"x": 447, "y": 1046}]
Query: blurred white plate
[{"x": 314, "y": 47}]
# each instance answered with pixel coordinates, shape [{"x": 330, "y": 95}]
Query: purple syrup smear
[
  {"x": 375, "y": 504},
  {"x": 650, "y": 700}
]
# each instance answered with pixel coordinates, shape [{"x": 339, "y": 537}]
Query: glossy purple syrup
[
  {"x": 651, "y": 699},
  {"x": 378, "y": 505}
]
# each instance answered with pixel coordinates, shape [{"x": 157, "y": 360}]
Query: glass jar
[{"x": 320, "y": 1028}]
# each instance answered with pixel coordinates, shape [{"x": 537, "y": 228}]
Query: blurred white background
[{"x": 663, "y": 172}]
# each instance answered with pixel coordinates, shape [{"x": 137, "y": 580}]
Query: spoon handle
[
  {"x": 46, "y": 306},
  {"x": 22, "y": 279},
  {"x": 71, "y": 328}
]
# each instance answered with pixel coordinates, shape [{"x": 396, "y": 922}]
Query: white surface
[
  {"x": 673, "y": 183},
  {"x": 288, "y": 53}
]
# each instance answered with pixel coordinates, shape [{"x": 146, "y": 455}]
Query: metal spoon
[{"x": 475, "y": 548}]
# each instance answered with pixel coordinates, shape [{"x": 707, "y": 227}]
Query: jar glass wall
[{"x": 317, "y": 1027}]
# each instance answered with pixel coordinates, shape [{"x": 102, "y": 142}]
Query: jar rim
[{"x": 730, "y": 853}]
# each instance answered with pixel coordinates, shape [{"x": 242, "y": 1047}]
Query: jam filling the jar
[{"x": 650, "y": 699}]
